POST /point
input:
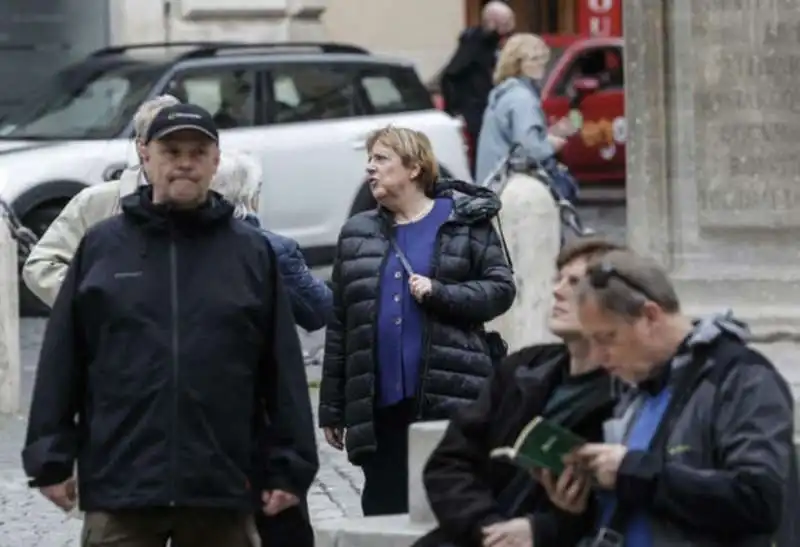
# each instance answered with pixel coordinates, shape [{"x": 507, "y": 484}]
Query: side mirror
[{"x": 585, "y": 86}]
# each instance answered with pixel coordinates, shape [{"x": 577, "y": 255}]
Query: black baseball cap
[{"x": 182, "y": 117}]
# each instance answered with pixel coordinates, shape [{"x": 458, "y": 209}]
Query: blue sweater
[
  {"x": 401, "y": 322},
  {"x": 637, "y": 533}
]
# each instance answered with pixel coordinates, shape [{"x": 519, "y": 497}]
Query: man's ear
[
  {"x": 143, "y": 151},
  {"x": 652, "y": 311}
]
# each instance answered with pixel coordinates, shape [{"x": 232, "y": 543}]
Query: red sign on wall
[{"x": 600, "y": 17}]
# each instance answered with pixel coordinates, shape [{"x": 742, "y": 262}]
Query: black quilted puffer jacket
[{"x": 472, "y": 284}]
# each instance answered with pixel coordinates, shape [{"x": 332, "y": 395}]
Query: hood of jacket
[
  {"x": 708, "y": 329},
  {"x": 139, "y": 207},
  {"x": 471, "y": 203},
  {"x": 510, "y": 85}
]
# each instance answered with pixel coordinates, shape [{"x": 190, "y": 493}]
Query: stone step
[{"x": 386, "y": 531}]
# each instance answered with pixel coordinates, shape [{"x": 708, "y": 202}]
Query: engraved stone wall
[{"x": 747, "y": 112}]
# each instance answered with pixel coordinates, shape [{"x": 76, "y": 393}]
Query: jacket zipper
[
  {"x": 173, "y": 275},
  {"x": 428, "y": 339}
]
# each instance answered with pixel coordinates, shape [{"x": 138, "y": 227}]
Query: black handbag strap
[{"x": 401, "y": 256}]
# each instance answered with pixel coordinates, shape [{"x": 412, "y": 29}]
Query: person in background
[
  {"x": 481, "y": 501},
  {"x": 514, "y": 114},
  {"x": 701, "y": 452},
  {"x": 467, "y": 78},
  {"x": 47, "y": 264},
  {"x": 239, "y": 179},
  {"x": 170, "y": 345},
  {"x": 414, "y": 281}
]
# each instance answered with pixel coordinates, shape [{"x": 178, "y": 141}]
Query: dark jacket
[
  {"x": 727, "y": 473},
  {"x": 311, "y": 298},
  {"x": 467, "y": 79},
  {"x": 171, "y": 340},
  {"x": 472, "y": 284},
  {"x": 468, "y": 491}
]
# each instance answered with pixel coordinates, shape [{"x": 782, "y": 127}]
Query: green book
[{"x": 540, "y": 445}]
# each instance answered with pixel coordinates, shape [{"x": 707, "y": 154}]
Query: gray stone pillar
[{"x": 713, "y": 185}]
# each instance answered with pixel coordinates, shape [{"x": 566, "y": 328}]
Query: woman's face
[
  {"x": 386, "y": 174},
  {"x": 533, "y": 64}
]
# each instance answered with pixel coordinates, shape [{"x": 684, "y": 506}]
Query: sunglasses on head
[{"x": 600, "y": 274}]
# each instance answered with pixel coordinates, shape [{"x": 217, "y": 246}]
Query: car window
[
  {"x": 394, "y": 89},
  {"x": 308, "y": 92},
  {"x": 603, "y": 63},
  {"x": 229, "y": 94},
  {"x": 82, "y": 103}
]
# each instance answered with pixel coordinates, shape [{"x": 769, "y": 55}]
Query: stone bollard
[
  {"x": 392, "y": 530},
  {"x": 531, "y": 224},
  {"x": 423, "y": 438},
  {"x": 9, "y": 324}
]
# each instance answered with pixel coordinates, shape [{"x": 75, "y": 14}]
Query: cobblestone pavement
[{"x": 26, "y": 519}]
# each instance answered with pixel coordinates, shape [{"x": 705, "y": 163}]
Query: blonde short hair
[
  {"x": 518, "y": 48},
  {"x": 414, "y": 149},
  {"x": 147, "y": 111},
  {"x": 238, "y": 179}
]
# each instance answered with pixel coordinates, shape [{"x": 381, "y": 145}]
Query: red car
[{"x": 586, "y": 74}]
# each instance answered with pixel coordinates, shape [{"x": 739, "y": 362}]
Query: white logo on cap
[{"x": 175, "y": 115}]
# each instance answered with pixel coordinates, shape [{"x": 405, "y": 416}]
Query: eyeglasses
[{"x": 600, "y": 274}]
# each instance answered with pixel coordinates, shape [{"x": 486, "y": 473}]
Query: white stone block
[
  {"x": 385, "y": 531},
  {"x": 532, "y": 228},
  {"x": 9, "y": 324},
  {"x": 423, "y": 437}
]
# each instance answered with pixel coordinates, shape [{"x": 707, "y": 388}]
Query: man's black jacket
[
  {"x": 466, "y": 488},
  {"x": 467, "y": 79},
  {"x": 170, "y": 343}
]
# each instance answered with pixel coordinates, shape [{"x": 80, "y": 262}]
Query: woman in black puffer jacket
[{"x": 414, "y": 281}]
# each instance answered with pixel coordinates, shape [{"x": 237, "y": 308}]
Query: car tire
[{"x": 37, "y": 221}]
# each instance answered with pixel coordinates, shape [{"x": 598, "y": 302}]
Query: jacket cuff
[
  {"x": 636, "y": 478},
  {"x": 50, "y": 476},
  {"x": 276, "y": 482},
  {"x": 477, "y": 531}
]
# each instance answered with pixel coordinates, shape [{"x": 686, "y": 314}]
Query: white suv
[{"x": 303, "y": 108}]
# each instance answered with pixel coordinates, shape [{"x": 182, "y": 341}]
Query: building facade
[{"x": 37, "y": 37}]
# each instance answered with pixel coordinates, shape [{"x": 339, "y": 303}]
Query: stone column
[
  {"x": 9, "y": 324},
  {"x": 713, "y": 182}
]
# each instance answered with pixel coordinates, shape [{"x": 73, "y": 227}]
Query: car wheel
[
  {"x": 364, "y": 200},
  {"x": 37, "y": 221}
]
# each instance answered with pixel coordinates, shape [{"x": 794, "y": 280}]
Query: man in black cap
[{"x": 170, "y": 349}]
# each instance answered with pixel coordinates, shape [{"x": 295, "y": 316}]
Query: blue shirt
[
  {"x": 638, "y": 532},
  {"x": 401, "y": 322}
]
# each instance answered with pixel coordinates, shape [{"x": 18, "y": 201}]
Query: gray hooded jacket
[{"x": 513, "y": 115}]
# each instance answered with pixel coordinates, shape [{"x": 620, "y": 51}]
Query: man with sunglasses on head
[
  {"x": 481, "y": 502},
  {"x": 701, "y": 451}
]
